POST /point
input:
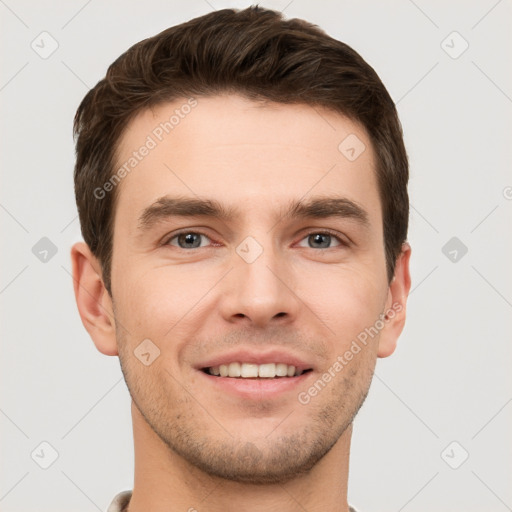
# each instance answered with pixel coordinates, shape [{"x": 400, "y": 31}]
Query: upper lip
[{"x": 254, "y": 357}]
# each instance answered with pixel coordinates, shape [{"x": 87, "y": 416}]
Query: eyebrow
[{"x": 318, "y": 207}]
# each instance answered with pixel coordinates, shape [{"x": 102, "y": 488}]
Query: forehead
[{"x": 246, "y": 155}]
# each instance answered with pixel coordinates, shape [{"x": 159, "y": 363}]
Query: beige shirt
[{"x": 120, "y": 502}]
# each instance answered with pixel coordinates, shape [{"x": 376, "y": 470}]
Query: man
[{"x": 241, "y": 182}]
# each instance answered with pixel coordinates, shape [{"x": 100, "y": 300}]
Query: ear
[
  {"x": 93, "y": 300},
  {"x": 395, "y": 310}
]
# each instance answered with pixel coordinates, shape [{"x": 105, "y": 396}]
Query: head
[{"x": 241, "y": 182}]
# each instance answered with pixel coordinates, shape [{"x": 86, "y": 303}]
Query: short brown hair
[{"x": 253, "y": 52}]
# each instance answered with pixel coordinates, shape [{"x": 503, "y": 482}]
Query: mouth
[{"x": 256, "y": 375}]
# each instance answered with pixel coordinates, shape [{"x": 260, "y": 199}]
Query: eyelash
[{"x": 342, "y": 242}]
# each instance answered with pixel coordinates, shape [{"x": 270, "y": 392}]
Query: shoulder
[{"x": 120, "y": 502}]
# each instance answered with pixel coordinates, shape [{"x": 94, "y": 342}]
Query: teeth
[
  {"x": 250, "y": 370},
  {"x": 281, "y": 370},
  {"x": 234, "y": 370},
  {"x": 267, "y": 370}
]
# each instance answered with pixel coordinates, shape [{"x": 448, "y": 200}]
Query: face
[{"x": 234, "y": 274}]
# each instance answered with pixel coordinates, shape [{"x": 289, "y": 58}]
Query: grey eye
[
  {"x": 189, "y": 240},
  {"x": 320, "y": 240}
]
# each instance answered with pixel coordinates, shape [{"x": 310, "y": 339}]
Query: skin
[{"x": 197, "y": 448}]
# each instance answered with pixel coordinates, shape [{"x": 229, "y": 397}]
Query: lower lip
[{"x": 256, "y": 388}]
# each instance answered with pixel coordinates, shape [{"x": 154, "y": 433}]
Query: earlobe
[
  {"x": 396, "y": 304},
  {"x": 93, "y": 301}
]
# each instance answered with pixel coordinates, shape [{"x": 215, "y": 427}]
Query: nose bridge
[{"x": 260, "y": 281}]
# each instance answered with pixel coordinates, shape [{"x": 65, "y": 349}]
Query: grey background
[{"x": 449, "y": 380}]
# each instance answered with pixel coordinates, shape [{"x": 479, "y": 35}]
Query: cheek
[
  {"x": 158, "y": 303},
  {"x": 346, "y": 299}
]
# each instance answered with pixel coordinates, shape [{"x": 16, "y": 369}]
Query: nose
[{"x": 260, "y": 289}]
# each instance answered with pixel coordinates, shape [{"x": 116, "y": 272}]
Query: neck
[{"x": 166, "y": 482}]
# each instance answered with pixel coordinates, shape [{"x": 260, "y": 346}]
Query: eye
[
  {"x": 187, "y": 240},
  {"x": 322, "y": 240}
]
